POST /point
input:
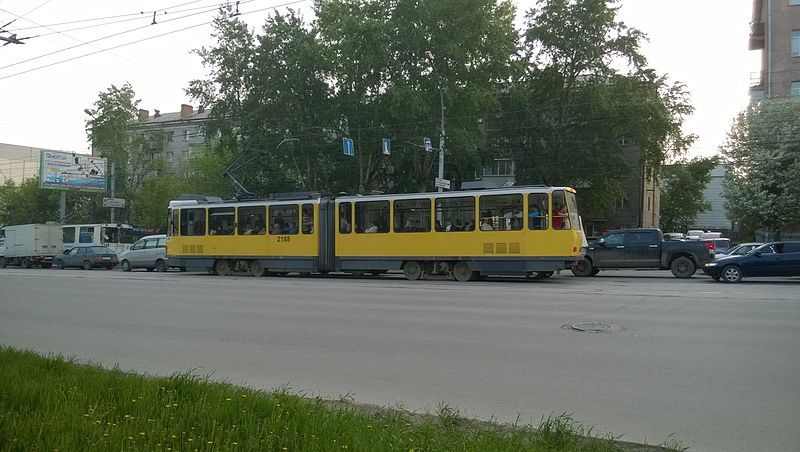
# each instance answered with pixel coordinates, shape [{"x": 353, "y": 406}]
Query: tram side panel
[{"x": 485, "y": 236}]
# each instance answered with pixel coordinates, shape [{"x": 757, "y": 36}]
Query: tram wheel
[
  {"x": 221, "y": 267},
  {"x": 462, "y": 272},
  {"x": 256, "y": 269},
  {"x": 412, "y": 270}
]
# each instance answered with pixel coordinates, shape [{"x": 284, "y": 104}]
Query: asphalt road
[{"x": 715, "y": 366}]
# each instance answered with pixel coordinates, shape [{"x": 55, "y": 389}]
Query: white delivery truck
[{"x": 27, "y": 245}]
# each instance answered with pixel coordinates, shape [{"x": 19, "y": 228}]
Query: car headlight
[{"x": 711, "y": 264}]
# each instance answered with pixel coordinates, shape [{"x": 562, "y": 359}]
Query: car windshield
[{"x": 101, "y": 250}]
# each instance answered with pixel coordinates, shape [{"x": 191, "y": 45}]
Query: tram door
[{"x": 327, "y": 249}]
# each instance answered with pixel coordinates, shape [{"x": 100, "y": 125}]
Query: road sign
[
  {"x": 119, "y": 203},
  {"x": 386, "y": 146},
  {"x": 347, "y": 145},
  {"x": 427, "y": 142},
  {"x": 441, "y": 183}
]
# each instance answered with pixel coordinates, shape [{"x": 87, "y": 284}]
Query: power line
[{"x": 137, "y": 41}]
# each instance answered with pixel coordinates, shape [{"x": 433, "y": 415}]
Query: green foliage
[
  {"x": 51, "y": 403},
  {"x": 763, "y": 156},
  {"x": 566, "y": 118},
  {"x": 112, "y": 131},
  {"x": 682, "y": 187},
  {"x": 27, "y": 203}
]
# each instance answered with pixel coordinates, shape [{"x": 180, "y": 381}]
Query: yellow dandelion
[
  {"x": 190, "y": 440},
  {"x": 235, "y": 443},
  {"x": 130, "y": 438}
]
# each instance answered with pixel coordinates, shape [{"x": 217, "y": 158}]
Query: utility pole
[{"x": 430, "y": 58}]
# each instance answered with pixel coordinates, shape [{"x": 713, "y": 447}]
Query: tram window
[
  {"x": 412, "y": 215},
  {"x": 193, "y": 222},
  {"x": 308, "y": 219},
  {"x": 253, "y": 220},
  {"x": 86, "y": 234},
  {"x": 372, "y": 216},
  {"x": 560, "y": 212},
  {"x": 175, "y": 220},
  {"x": 345, "y": 217},
  {"x": 455, "y": 214},
  {"x": 537, "y": 211},
  {"x": 572, "y": 209},
  {"x": 284, "y": 219},
  {"x": 501, "y": 213},
  {"x": 69, "y": 235},
  {"x": 221, "y": 221}
]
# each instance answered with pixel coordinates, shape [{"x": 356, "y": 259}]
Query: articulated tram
[{"x": 469, "y": 234}]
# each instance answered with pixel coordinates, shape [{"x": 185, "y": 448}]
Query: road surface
[{"x": 714, "y": 366}]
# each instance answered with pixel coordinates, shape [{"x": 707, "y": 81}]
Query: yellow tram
[{"x": 469, "y": 234}]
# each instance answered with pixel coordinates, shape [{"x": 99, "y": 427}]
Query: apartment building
[
  {"x": 775, "y": 30},
  {"x": 183, "y": 132}
]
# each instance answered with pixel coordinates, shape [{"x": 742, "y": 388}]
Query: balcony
[{"x": 757, "y": 36}]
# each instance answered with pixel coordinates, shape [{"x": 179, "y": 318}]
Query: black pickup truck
[{"x": 642, "y": 248}]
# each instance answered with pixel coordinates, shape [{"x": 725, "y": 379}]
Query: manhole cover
[{"x": 591, "y": 327}]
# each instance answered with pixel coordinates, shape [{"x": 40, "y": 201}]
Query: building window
[
  {"x": 169, "y": 156},
  {"x": 757, "y": 95},
  {"x": 795, "y": 43},
  {"x": 185, "y": 135},
  {"x": 796, "y": 87},
  {"x": 170, "y": 135}
]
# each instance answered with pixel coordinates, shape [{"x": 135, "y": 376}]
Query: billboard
[{"x": 71, "y": 171}]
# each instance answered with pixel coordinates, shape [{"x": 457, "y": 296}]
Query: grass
[{"x": 52, "y": 403}]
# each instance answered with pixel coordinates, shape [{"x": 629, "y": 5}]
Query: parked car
[
  {"x": 770, "y": 259},
  {"x": 718, "y": 245},
  {"x": 148, "y": 252},
  {"x": 741, "y": 249},
  {"x": 642, "y": 248},
  {"x": 87, "y": 257}
]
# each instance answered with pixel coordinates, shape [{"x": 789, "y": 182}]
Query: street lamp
[{"x": 429, "y": 57}]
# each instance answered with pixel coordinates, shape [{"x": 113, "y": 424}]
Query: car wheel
[
  {"x": 583, "y": 267},
  {"x": 59, "y": 264},
  {"x": 412, "y": 270},
  {"x": 161, "y": 266},
  {"x": 683, "y": 267},
  {"x": 87, "y": 265},
  {"x": 25, "y": 263},
  {"x": 126, "y": 266},
  {"x": 732, "y": 274}
]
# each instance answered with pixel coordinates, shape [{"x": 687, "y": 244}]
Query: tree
[
  {"x": 112, "y": 131},
  {"x": 565, "y": 118},
  {"x": 682, "y": 187},
  {"x": 763, "y": 156}
]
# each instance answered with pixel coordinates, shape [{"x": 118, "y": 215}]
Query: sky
[{"x": 701, "y": 43}]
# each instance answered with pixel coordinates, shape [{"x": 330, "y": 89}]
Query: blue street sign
[
  {"x": 427, "y": 142},
  {"x": 347, "y": 145},
  {"x": 387, "y": 146}
]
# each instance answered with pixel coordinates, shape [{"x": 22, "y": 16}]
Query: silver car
[{"x": 148, "y": 252}]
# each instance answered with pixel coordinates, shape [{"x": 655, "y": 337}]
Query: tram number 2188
[{"x": 284, "y": 238}]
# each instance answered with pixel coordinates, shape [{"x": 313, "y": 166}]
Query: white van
[{"x": 148, "y": 252}]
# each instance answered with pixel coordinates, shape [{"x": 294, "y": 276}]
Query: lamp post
[
  {"x": 113, "y": 168},
  {"x": 430, "y": 58}
]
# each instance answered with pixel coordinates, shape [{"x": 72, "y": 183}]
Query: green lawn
[{"x": 52, "y": 403}]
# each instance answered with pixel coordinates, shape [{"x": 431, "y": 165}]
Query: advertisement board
[{"x": 71, "y": 171}]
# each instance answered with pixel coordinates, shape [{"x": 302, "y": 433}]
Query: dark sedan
[
  {"x": 87, "y": 257},
  {"x": 770, "y": 259}
]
